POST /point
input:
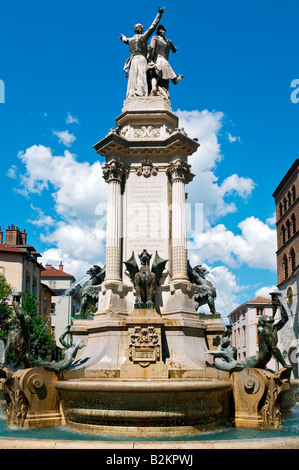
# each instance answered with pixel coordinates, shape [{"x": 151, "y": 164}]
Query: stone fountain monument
[{"x": 143, "y": 366}]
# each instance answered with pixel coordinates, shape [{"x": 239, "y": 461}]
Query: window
[
  {"x": 289, "y": 199},
  {"x": 45, "y": 305},
  {"x": 283, "y": 234},
  {"x": 288, "y": 225},
  {"x": 259, "y": 311},
  {"x": 293, "y": 218},
  {"x": 294, "y": 193},
  {"x": 284, "y": 204},
  {"x": 285, "y": 266},
  {"x": 293, "y": 260},
  {"x": 34, "y": 287},
  {"x": 238, "y": 338},
  {"x": 243, "y": 336},
  {"x": 53, "y": 308},
  {"x": 280, "y": 210},
  {"x": 27, "y": 283}
]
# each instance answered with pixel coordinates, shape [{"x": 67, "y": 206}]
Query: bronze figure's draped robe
[{"x": 136, "y": 65}]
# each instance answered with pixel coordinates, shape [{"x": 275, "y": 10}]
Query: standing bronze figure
[{"x": 136, "y": 66}]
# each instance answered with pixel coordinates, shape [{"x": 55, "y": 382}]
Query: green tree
[
  {"x": 41, "y": 342},
  {"x": 6, "y": 312},
  {"x": 5, "y": 288}
]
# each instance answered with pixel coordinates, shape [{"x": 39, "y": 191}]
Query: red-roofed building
[
  {"x": 19, "y": 263},
  {"x": 244, "y": 320},
  {"x": 66, "y": 302}
]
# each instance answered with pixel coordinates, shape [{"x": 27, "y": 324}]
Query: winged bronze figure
[{"x": 144, "y": 279}]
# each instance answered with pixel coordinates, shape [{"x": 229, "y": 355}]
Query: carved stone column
[
  {"x": 179, "y": 175},
  {"x": 113, "y": 173}
]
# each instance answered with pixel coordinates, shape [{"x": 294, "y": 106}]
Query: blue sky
[{"x": 64, "y": 58}]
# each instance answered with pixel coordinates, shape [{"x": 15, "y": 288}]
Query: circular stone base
[
  {"x": 144, "y": 432},
  {"x": 145, "y": 408}
]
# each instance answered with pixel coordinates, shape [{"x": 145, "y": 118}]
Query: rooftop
[
  {"x": 285, "y": 179},
  {"x": 51, "y": 272},
  {"x": 10, "y": 249},
  {"x": 260, "y": 300},
  {"x": 256, "y": 300}
]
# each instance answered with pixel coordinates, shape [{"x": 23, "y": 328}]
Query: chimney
[
  {"x": 24, "y": 237},
  {"x": 11, "y": 235},
  {"x": 61, "y": 266},
  {"x": 1, "y": 236}
]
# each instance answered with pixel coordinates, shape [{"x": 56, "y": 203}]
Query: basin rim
[{"x": 142, "y": 386}]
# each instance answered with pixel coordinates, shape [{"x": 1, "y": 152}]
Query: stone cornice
[{"x": 114, "y": 144}]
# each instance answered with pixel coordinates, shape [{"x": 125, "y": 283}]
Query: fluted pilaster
[
  {"x": 113, "y": 173},
  {"x": 179, "y": 175}
]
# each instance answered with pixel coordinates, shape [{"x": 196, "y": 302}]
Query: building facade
[
  {"x": 19, "y": 264},
  {"x": 66, "y": 301},
  {"x": 287, "y": 217},
  {"x": 46, "y": 305},
  {"x": 244, "y": 320}
]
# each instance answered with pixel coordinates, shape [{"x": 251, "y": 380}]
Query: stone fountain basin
[{"x": 145, "y": 407}]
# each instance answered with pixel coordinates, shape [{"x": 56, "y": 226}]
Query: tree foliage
[
  {"x": 41, "y": 342},
  {"x": 6, "y": 312}
]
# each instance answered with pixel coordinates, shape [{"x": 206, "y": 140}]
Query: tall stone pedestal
[
  {"x": 143, "y": 371},
  {"x": 144, "y": 349}
]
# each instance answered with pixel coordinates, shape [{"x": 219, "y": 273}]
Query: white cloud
[
  {"x": 265, "y": 291},
  {"x": 272, "y": 220},
  {"x": 255, "y": 246},
  {"x": 12, "y": 172},
  {"x": 237, "y": 184},
  {"x": 78, "y": 187},
  {"x": 205, "y": 126},
  {"x": 79, "y": 195},
  {"x": 71, "y": 119},
  {"x": 227, "y": 289},
  {"x": 205, "y": 187},
  {"x": 77, "y": 245},
  {"x": 43, "y": 220},
  {"x": 65, "y": 137}
]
